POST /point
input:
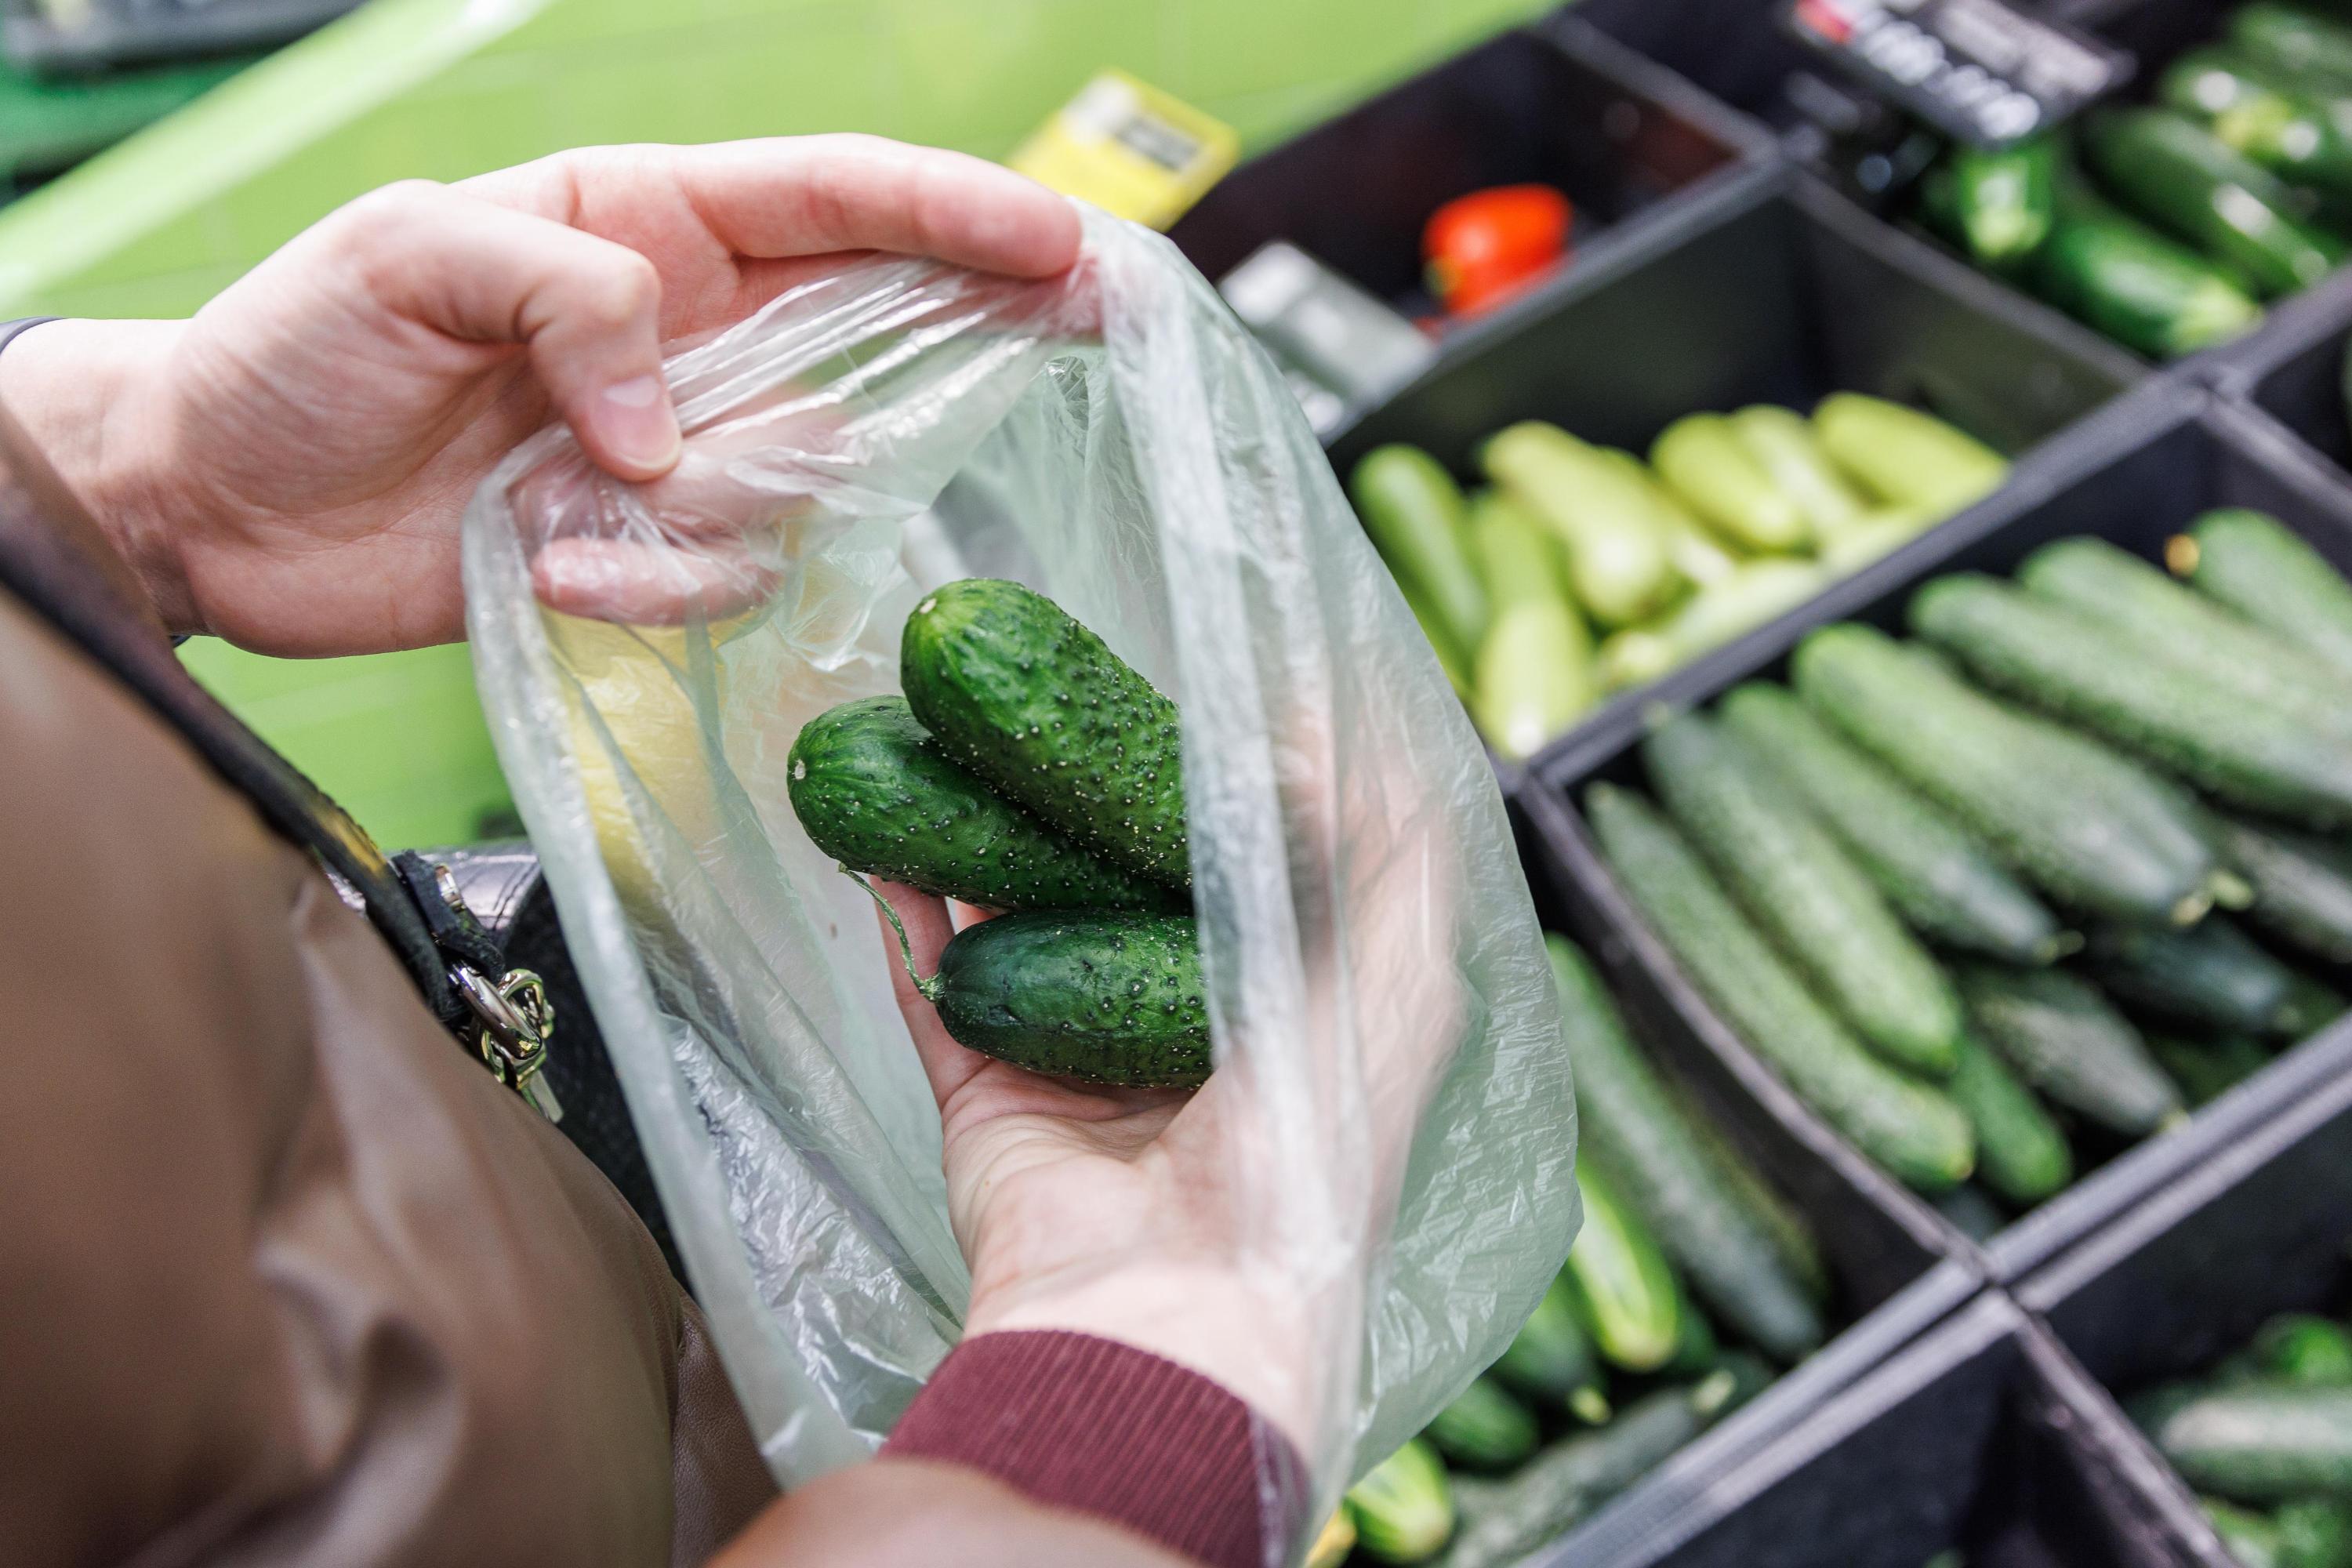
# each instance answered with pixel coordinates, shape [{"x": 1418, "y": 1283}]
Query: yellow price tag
[{"x": 1130, "y": 149}]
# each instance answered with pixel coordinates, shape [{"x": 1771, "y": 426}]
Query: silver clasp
[{"x": 516, "y": 1018}]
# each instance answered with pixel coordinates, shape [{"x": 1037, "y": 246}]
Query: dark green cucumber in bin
[
  {"x": 2253, "y": 563},
  {"x": 2209, "y": 976},
  {"x": 2021, "y": 1153},
  {"x": 2076, "y": 668},
  {"x": 1484, "y": 1429},
  {"x": 1404, "y": 1507},
  {"x": 1418, "y": 520},
  {"x": 1620, "y": 1283},
  {"x": 1549, "y": 1362},
  {"x": 2208, "y": 1068},
  {"x": 879, "y": 795},
  {"x": 2261, "y": 1444},
  {"x": 1997, "y": 204},
  {"x": 1633, "y": 1133},
  {"x": 1098, "y": 996},
  {"x": 1797, "y": 884},
  {"x": 2065, "y": 1041},
  {"x": 2146, "y": 290},
  {"x": 1904, "y": 1125},
  {"x": 2303, "y": 885},
  {"x": 2257, "y": 115},
  {"x": 2304, "y": 1348},
  {"x": 1034, "y": 703},
  {"x": 2181, "y": 175},
  {"x": 2047, "y": 801},
  {"x": 1942, "y": 881},
  {"x": 2292, "y": 42}
]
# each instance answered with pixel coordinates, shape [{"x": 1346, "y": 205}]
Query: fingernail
[{"x": 636, "y": 423}]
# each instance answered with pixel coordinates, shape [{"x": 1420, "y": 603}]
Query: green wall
[{"x": 444, "y": 89}]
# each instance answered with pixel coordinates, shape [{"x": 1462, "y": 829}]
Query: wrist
[{"x": 88, "y": 394}]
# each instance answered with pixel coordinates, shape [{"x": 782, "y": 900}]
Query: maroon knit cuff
[{"x": 1103, "y": 1428}]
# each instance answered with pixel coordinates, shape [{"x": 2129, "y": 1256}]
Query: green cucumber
[
  {"x": 1020, "y": 693},
  {"x": 1633, "y": 1131},
  {"x": 1100, "y": 997},
  {"x": 1696, "y": 1349},
  {"x": 1905, "y": 1126},
  {"x": 2251, "y": 1539},
  {"x": 2291, "y": 41},
  {"x": 1618, "y": 564},
  {"x": 2206, "y": 1069},
  {"x": 1568, "y": 1480},
  {"x": 1783, "y": 444},
  {"x": 2046, "y": 800},
  {"x": 1999, "y": 205},
  {"x": 2167, "y": 621},
  {"x": 2078, "y": 670},
  {"x": 1404, "y": 1507},
  {"x": 2021, "y": 1153},
  {"x": 2209, "y": 976},
  {"x": 1797, "y": 884},
  {"x": 1905, "y": 457},
  {"x": 1418, "y": 522},
  {"x": 1550, "y": 1361},
  {"x": 2178, "y": 175},
  {"x": 1799, "y": 1251},
  {"x": 1946, "y": 883},
  {"x": 878, "y": 793},
  {"x": 2262, "y": 120},
  {"x": 2306, "y": 1349},
  {"x": 1484, "y": 1429},
  {"x": 2252, "y": 562},
  {"x": 2258, "y": 1444},
  {"x": 1533, "y": 677},
  {"x": 2148, "y": 292},
  {"x": 1456, "y": 666},
  {"x": 2314, "y": 1533},
  {"x": 2303, "y": 885},
  {"x": 1709, "y": 468},
  {"x": 2057, "y": 1033},
  {"x": 1621, "y": 1282}
]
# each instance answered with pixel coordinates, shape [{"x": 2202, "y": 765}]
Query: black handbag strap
[{"x": 53, "y": 560}]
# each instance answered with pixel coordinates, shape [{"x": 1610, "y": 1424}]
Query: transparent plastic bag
[{"x": 1114, "y": 440}]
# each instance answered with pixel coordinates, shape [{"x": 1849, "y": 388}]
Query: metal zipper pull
[{"x": 516, "y": 1018}]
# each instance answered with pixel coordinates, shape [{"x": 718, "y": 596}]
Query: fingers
[
  {"x": 947, "y": 1065},
  {"x": 586, "y": 308}
]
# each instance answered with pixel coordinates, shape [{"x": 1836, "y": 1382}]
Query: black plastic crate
[
  {"x": 1736, "y": 51},
  {"x": 1616, "y": 135},
  {"x": 2293, "y": 371},
  {"x": 2133, "y": 476},
  {"x": 1984, "y": 1436}
]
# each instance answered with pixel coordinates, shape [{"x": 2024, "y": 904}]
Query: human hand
[{"x": 288, "y": 469}]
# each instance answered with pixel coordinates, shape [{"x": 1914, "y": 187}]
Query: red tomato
[{"x": 1480, "y": 249}]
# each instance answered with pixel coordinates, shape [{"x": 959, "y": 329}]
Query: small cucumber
[
  {"x": 2262, "y": 1444},
  {"x": 2209, "y": 976},
  {"x": 1534, "y": 676},
  {"x": 1703, "y": 460},
  {"x": 1797, "y": 885},
  {"x": 2021, "y": 1153},
  {"x": 1104, "y": 999},
  {"x": 1619, "y": 562},
  {"x": 1946, "y": 883},
  {"x": 1904, "y": 1125},
  {"x": 1622, "y": 1286},
  {"x": 1404, "y": 1507},
  {"x": 2255, "y": 116},
  {"x": 2306, "y": 1349},
  {"x": 1997, "y": 204},
  {"x": 2251, "y": 1539},
  {"x": 1782, "y": 443},
  {"x": 2291, "y": 40},
  {"x": 1021, "y": 694},
  {"x": 2303, "y": 885},
  {"x": 2178, "y": 173},
  {"x": 1418, "y": 522},
  {"x": 2206, "y": 1069},
  {"x": 2078, "y": 670},
  {"x": 2047, "y": 801},
  {"x": 2252, "y": 562},
  {"x": 2057, "y": 1033},
  {"x": 1484, "y": 1429},
  {"x": 1549, "y": 1362},
  {"x": 877, "y": 792},
  {"x": 1633, "y": 1131},
  {"x": 2145, "y": 290},
  {"x": 1905, "y": 457}
]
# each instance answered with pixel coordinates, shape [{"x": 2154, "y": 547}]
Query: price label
[
  {"x": 1974, "y": 69},
  {"x": 1129, "y": 148}
]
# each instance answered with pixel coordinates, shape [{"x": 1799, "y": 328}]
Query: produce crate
[
  {"x": 2134, "y": 476},
  {"x": 2292, "y": 372},
  {"x": 1983, "y": 1435},
  {"x": 1615, "y": 133},
  {"x": 2187, "y": 1275}
]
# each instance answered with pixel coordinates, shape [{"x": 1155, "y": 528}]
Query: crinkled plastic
[{"x": 1396, "y": 1124}]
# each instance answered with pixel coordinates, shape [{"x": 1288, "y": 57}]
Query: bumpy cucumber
[
  {"x": 2059, "y": 1035},
  {"x": 2253, "y": 564},
  {"x": 1940, "y": 879},
  {"x": 1905, "y": 457},
  {"x": 1904, "y": 1125},
  {"x": 2207, "y": 1070},
  {"x": 1797, "y": 885},
  {"x": 1415, "y": 515},
  {"x": 2048, "y": 801},
  {"x": 1633, "y": 1133},
  {"x": 1020, "y": 693},
  {"x": 2021, "y": 1153},
  {"x": 877, "y": 792},
  {"x": 2262, "y": 1445},
  {"x": 1619, "y": 560},
  {"x": 1703, "y": 460},
  {"x": 1622, "y": 1284},
  {"x": 2208, "y": 977},
  {"x": 2171, "y": 713},
  {"x": 1106, "y": 998},
  {"x": 1484, "y": 1429},
  {"x": 1549, "y": 1362},
  {"x": 2303, "y": 885},
  {"x": 1404, "y": 1507}
]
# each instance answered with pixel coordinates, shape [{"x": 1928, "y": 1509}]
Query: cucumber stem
[{"x": 929, "y": 988}]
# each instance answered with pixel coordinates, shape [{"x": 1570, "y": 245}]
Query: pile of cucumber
[
  {"x": 2166, "y": 225},
  {"x": 1579, "y": 572},
  {"x": 1621, "y": 1362},
  {"x": 1028, "y": 769},
  {"x": 2031, "y": 886},
  {"x": 2265, "y": 1438}
]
